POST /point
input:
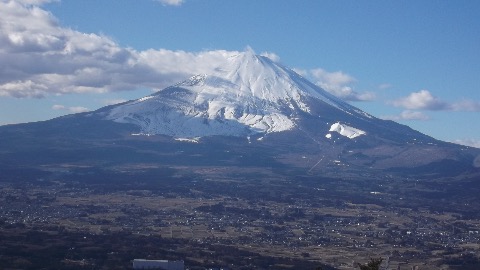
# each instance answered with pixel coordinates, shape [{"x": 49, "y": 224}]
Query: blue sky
[{"x": 417, "y": 62}]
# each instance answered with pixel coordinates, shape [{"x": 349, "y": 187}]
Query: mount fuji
[
  {"x": 248, "y": 111},
  {"x": 248, "y": 94}
]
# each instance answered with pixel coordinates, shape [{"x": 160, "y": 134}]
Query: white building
[{"x": 158, "y": 264}]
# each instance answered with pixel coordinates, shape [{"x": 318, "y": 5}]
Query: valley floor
[{"x": 217, "y": 217}]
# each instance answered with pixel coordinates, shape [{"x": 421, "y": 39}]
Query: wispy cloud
[
  {"x": 171, "y": 2},
  {"x": 36, "y": 2},
  {"x": 272, "y": 56},
  {"x": 424, "y": 100},
  {"x": 78, "y": 109},
  {"x": 407, "y": 115},
  {"x": 384, "y": 86},
  {"x": 113, "y": 101},
  {"x": 58, "y": 107},
  {"x": 75, "y": 109},
  {"x": 337, "y": 83},
  {"x": 469, "y": 142},
  {"x": 466, "y": 105}
]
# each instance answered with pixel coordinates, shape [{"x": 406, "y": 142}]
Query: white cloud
[
  {"x": 39, "y": 58},
  {"x": 469, "y": 142},
  {"x": 337, "y": 83},
  {"x": 424, "y": 100},
  {"x": 413, "y": 115},
  {"x": 337, "y": 78},
  {"x": 408, "y": 115},
  {"x": 113, "y": 101},
  {"x": 301, "y": 72},
  {"x": 272, "y": 56},
  {"x": 171, "y": 2},
  {"x": 25, "y": 88},
  {"x": 421, "y": 100},
  {"x": 58, "y": 107},
  {"x": 78, "y": 109},
  {"x": 75, "y": 109},
  {"x": 36, "y": 2}
]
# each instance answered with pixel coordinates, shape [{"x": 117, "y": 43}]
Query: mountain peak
[
  {"x": 245, "y": 94},
  {"x": 246, "y": 56}
]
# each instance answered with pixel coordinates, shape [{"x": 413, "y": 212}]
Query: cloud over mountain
[
  {"x": 40, "y": 57},
  {"x": 337, "y": 83}
]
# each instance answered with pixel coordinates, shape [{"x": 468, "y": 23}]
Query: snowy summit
[{"x": 246, "y": 94}]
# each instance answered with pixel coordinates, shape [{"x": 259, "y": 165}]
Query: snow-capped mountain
[
  {"x": 247, "y": 111},
  {"x": 248, "y": 94}
]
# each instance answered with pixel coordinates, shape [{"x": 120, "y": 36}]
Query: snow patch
[
  {"x": 144, "y": 98},
  {"x": 141, "y": 134},
  {"x": 347, "y": 131},
  {"x": 190, "y": 140}
]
